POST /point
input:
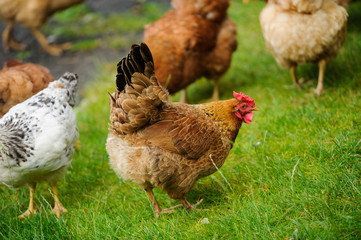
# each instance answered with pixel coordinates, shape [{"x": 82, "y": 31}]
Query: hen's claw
[
  {"x": 27, "y": 213},
  {"x": 189, "y": 206}
]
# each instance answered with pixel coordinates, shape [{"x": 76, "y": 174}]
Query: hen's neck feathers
[
  {"x": 67, "y": 82},
  {"x": 222, "y": 113}
]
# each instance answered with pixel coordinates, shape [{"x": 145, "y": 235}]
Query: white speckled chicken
[
  {"x": 159, "y": 144},
  {"x": 304, "y": 31},
  {"x": 37, "y": 138}
]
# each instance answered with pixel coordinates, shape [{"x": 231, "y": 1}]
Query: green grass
[
  {"x": 90, "y": 30},
  {"x": 293, "y": 173}
]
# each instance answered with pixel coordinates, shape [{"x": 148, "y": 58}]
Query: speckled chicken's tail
[{"x": 138, "y": 96}]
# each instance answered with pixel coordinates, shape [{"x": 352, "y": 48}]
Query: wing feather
[{"x": 190, "y": 133}]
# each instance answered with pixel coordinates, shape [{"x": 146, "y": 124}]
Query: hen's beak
[{"x": 255, "y": 108}]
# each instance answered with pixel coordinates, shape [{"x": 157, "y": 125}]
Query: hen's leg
[
  {"x": 153, "y": 200},
  {"x": 294, "y": 76},
  {"x": 321, "y": 74},
  {"x": 156, "y": 207},
  {"x": 58, "y": 207},
  {"x": 215, "y": 96},
  {"x": 8, "y": 42},
  {"x": 55, "y": 50},
  {"x": 31, "y": 210},
  {"x": 184, "y": 98}
]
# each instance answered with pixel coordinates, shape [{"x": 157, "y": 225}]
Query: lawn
[{"x": 294, "y": 173}]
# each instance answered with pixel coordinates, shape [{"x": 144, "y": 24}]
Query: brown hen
[
  {"x": 158, "y": 144},
  {"x": 19, "y": 81},
  {"x": 194, "y": 39},
  {"x": 32, "y": 14}
]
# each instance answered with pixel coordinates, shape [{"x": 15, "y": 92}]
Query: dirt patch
[{"x": 83, "y": 62}]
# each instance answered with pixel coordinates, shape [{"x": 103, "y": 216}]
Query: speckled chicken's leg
[
  {"x": 294, "y": 76},
  {"x": 55, "y": 50},
  {"x": 8, "y": 42},
  {"x": 31, "y": 209},
  {"x": 58, "y": 207},
  {"x": 321, "y": 74},
  {"x": 215, "y": 96}
]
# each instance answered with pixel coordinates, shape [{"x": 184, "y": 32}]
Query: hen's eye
[{"x": 243, "y": 106}]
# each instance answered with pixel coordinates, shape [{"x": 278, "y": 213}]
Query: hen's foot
[
  {"x": 189, "y": 206},
  {"x": 77, "y": 144},
  {"x": 31, "y": 209},
  {"x": 158, "y": 212},
  {"x": 56, "y": 50},
  {"x": 15, "y": 46},
  {"x": 27, "y": 213},
  {"x": 184, "y": 203},
  {"x": 59, "y": 209},
  {"x": 318, "y": 91}
]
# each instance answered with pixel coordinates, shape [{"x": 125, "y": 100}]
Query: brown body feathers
[{"x": 19, "y": 81}]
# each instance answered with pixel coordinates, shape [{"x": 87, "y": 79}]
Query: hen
[
  {"x": 37, "y": 138},
  {"x": 32, "y": 14},
  {"x": 194, "y": 39},
  {"x": 159, "y": 144},
  {"x": 19, "y": 81},
  {"x": 304, "y": 31}
]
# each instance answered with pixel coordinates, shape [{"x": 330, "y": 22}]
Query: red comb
[{"x": 243, "y": 97}]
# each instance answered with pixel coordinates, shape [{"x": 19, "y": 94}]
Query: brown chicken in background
[
  {"x": 32, "y": 14},
  {"x": 194, "y": 39},
  {"x": 304, "y": 31},
  {"x": 158, "y": 144},
  {"x": 19, "y": 81}
]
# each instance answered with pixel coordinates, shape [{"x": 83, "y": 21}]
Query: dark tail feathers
[{"x": 136, "y": 61}]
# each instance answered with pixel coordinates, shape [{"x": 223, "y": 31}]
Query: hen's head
[{"x": 244, "y": 109}]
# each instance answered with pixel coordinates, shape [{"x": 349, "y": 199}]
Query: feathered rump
[{"x": 139, "y": 98}]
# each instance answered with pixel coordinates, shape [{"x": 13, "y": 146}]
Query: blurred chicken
[
  {"x": 158, "y": 144},
  {"x": 32, "y": 14},
  {"x": 194, "y": 39},
  {"x": 303, "y": 31},
  {"x": 345, "y": 3},
  {"x": 19, "y": 81},
  {"x": 37, "y": 138}
]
